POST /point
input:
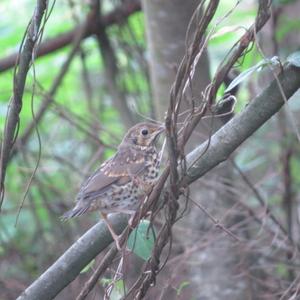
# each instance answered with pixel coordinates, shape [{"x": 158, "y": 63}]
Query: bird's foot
[
  {"x": 119, "y": 247},
  {"x": 116, "y": 238},
  {"x": 130, "y": 222}
]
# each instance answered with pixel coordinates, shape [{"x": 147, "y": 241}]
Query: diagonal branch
[
  {"x": 242, "y": 126},
  {"x": 222, "y": 144},
  {"x": 53, "y": 44},
  {"x": 69, "y": 265}
]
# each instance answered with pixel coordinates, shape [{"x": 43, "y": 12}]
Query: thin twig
[{"x": 215, "y": 221}]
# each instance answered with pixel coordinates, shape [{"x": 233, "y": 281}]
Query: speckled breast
[
  {"x": 127, "y": 198},
  {"x": 151, "y": 171}
]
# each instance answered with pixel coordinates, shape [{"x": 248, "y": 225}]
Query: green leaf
[
  {"x": 117, "y": 290},
  {"x": 87, "y": 267},
  {"x": 257, "y": 68},
  {"x": 294, "y": 59},
  {"x": 283, "y": 2},
  {"x": 181, "y": 287},
  {"x": 282, "y": 270},
  {"x": 141, "y": 240}
]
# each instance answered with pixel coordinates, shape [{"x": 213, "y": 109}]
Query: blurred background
[{"x": 89, "y": 83}]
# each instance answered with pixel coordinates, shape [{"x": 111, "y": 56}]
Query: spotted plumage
[{"x": 122, "y": 182}]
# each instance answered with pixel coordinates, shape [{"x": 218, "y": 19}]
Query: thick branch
[
  {"x": 118, "y": 15},
  {"x": 222, "y": 144},
  {"x": 69, "y": 265},
  {"x": 239, "y": 128}
]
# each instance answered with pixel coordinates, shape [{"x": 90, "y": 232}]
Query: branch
[
  {"x": 243, "y": 125},
  {"x": 69, "y": 265},
  {"x": 222, "y": 144},
  {"x": 236, "y": 52},
  {"x": 118, "y": 15},
  {"x": 48, "y": 98},
  {"x": 110, "y": 62},
  {"x": 24, "y": 59}
]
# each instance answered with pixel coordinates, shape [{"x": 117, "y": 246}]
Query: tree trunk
[{"x": 208, "y": 270}]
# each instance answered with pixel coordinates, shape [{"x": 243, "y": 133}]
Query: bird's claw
[
  {"x": 119, "y": 248},
  {"x": 130, "y": 222}
]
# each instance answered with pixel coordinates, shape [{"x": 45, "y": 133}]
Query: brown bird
[{"x": 123, "y": 181}]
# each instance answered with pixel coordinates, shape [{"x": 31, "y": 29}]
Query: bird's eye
[{"x": 144, "y": 132}]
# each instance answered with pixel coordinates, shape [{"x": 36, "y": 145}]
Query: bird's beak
[
  {"x": 161, "y": 129},
  {"x": 157, "y": 132}
]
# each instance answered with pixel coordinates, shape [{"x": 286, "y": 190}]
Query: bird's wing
[{"x": 118, "y": 170}]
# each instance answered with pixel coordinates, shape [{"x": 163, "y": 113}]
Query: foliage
[
  {"x": 82, "y": 127},
  {"x": 141, "y": 240},
  {"x": 272, "y": 62}
]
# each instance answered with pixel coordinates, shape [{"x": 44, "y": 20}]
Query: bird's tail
[{"x": 75, "y": 212}]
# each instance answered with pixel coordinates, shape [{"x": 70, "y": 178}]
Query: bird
[{"x": 122, "y": 182}]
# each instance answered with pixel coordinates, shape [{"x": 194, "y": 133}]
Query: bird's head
[{"x": 143, "y": 134}]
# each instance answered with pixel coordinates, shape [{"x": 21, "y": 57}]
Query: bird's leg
[
  {"x": 111, "y": 230},
  {"x": 130, "y": 221}
]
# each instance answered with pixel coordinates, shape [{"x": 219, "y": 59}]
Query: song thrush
[{"x": 122, "y": 182}]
